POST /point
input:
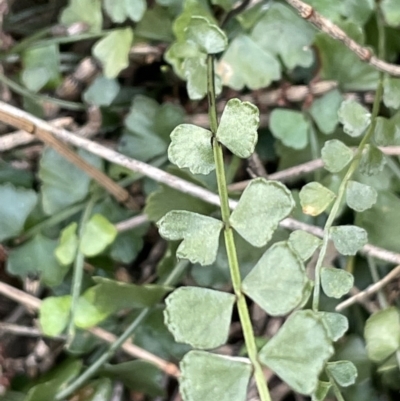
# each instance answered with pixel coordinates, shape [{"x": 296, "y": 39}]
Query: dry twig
[{"x": 323, "y": 24}]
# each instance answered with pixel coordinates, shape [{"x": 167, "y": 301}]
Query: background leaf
[
  {"x": 87, "y": 11},
  {"x": 15, "y": 206},
  {"x": 113, "y": 51},
  {"x": 290, "y": 127}
]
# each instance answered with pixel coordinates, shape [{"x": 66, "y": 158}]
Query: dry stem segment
[
  {"x": 46, "y": 136},
  {"x": 324, "y": 25}
]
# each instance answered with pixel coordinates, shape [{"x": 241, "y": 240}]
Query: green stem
[
  {"x": 14, "y": 86},
  {"x": 78, "y": 273},
  {"x": 92, "y": 369},
  {"x": 383, "y": 303},
  {"x": 243, "y": 310},
  {"x": 342, "y": 189},
  {"x": 335, "y": 388}
]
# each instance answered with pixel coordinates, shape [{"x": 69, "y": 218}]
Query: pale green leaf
[
  {"x": 98, "y": 233},
  {"x": 261, "y": 207},
  {"x": 206, "y": 376},
  {"x": 118, "y": 11},
  {"x": 348, "y": 239},
  {"x": 102, "y": 91},
  {"x": 360, "y": 197},
  {"x": 391, "y": 11},
  {"x": 57, "y": 174},
  {"x": 206, "y": 35},
  {"x": 195, "y": 72},
  {"x": 321, "y": 392},
  {"x": 200, "y": 235},
  {"x": 238, "y": 69},
  {"x": 299, "y": 351},
  {"x": 354, "y": 117},
  {"x": 336, "y": 155},
  {"x": 358, "y": 10},
  {"x": 344, "y": 372},
  {"x": 382, "y": 334},
  {"x": 315, "y": 198},
  {"x": 15, "y": 206},
  {"x": 291, "y": 127},
  {"x": 391, "y": 91},
  {"x": 148, "y": 128},
  {"x": 159, "y": 17},
  {"x": 86, "y": 11},
  {"x": 36, "y": 256},
  {"x": 372, "y": 160},
  {"x": 324, "y": 111},
  {"x": 41, "y": 67},
  {"x": 283, "y": 33},
  {"x": 68, "y": 245},
  {"x": 87, "y": 314},
  {"x": 304, "y": 243},
  {"x": 199, "y": 317},
  {"x": 191, "y": 148},
  {"x": 336, "y": 282},
  {"x": 237, "y": 129},
  {"x": 336, "y": 324},
  {"x": 113, "y": 51},
  {"x": 53, "y": 314},
  {"x": 277, "y": 270}
]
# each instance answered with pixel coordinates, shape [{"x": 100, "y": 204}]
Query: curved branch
[{"x": 324, "y": 25}]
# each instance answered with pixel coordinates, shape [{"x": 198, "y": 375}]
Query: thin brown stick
[
  {"x": 34, "y": 303},
  {"x": 131, "y": 223},
  {"x": 45, "y": 135},
  {"x": 372, "y": 289},
  {"x": 24, "y": 331},
  {"x": 18, "y": 138},
  {"x": 26, "y": 120},
  {"x": 323, "y": 24}
]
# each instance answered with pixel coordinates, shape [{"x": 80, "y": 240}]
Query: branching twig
[
  {"x": 323, "y": 24},
  {"x": 22, "y": 119},
  {"x": 372, "y": 289}
]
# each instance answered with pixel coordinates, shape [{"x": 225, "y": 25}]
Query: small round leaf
[
  {"x": 335, "y": 323},
  {"x": 354, "y": 117},
  {"x": 206, "y": 376},
  {"x": 299, "y": 351},
  {"x": 199, "y": 317},
  {"x": 344, "y": 372},
  {"x": 348, "y": 239},
  {"x": 97, "y": 235},
  {"x": 238, "y": 127},
  {"x": 336, "y": 282},
  {"x": 267, "y": 284},
  {"x": 53, "y": 314},
  {"x": 336, "y": 155},
  {"x": 191, "y": 148},
  {"x": 66, "y": 249},
  {"x": 304, "y": 243},
  {"x": 315, "y": 198},
  {"x": 208, "y": 36},
  {"x": 359, "y": 196},
  {"x": 261, "y": 207},
  {"x": 291, "y": 127},
  {"x": 200, "y": 235}
]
